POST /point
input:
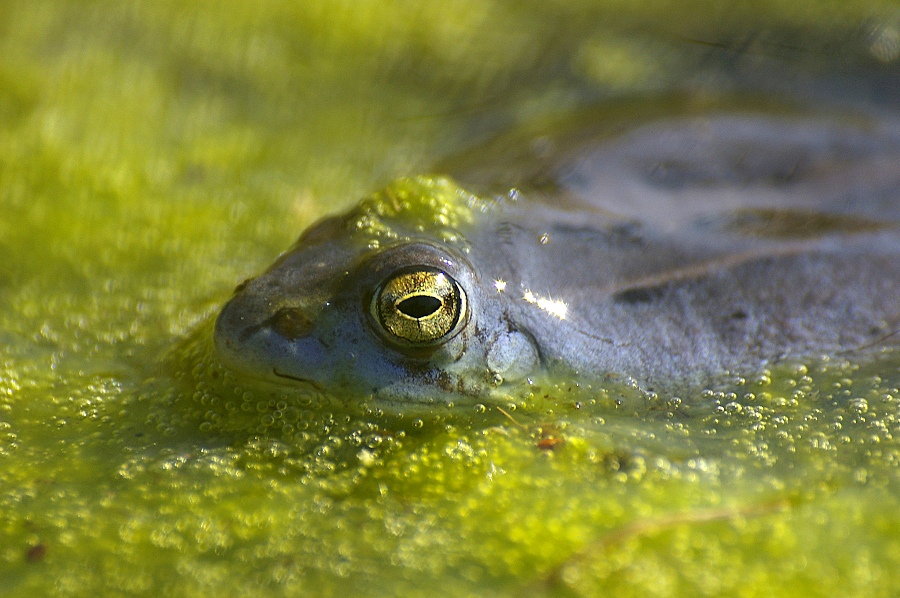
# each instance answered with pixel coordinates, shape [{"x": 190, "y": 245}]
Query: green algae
[
  {"x": 434, "y": 204},
  {"x": 733, "y": 492},
  {"x": 154, "y": 154}
]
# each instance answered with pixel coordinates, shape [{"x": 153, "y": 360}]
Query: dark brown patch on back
[{"x": 777, "y": 223}]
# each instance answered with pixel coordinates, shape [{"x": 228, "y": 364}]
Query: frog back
[{"x": 692, "y": 244}]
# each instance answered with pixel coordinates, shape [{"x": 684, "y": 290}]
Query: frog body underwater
[{"x": 669, "y": 251}]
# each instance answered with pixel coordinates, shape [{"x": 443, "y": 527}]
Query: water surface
[{"x": 152, "y": 155}]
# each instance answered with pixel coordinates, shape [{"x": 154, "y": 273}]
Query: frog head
[{"x": 382, "y": 301}]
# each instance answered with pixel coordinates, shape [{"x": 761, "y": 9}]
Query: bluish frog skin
[{"x": 669, "y": 252}]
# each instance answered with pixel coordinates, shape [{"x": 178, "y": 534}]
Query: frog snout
[
  {"x": 283, "y": 344},
  {"x": 291, "y": 323},
  {"x": 236, "y": 324}
]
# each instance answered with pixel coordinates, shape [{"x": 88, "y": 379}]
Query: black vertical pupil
[{"x": 419, "y": 306}]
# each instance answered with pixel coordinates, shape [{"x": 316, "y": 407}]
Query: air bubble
[{"x": 858, "y": 405}]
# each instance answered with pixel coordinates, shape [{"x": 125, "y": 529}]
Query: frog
[{"x": 669, "y": 251}]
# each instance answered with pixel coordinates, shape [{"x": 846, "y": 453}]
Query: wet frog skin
[{"x": 670, "y": 251}]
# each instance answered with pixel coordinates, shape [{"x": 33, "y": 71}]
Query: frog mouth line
[{"x": 315, "y": 385}]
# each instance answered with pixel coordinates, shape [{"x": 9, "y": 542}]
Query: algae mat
[{"x": 154, "y": 154}]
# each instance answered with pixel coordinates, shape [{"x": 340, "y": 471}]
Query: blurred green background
[{"x": 154, "y": 154}]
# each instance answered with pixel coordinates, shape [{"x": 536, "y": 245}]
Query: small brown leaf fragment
[
  {"x": 550, "y": 443},
  {"x": 36, "y": 553},
  {"x": 549, "y": 438}
]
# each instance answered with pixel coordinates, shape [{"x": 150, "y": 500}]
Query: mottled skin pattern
[{"x": 670, "y": 252}]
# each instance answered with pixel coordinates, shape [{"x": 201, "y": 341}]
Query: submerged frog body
[{"x": 670, "y": 252}]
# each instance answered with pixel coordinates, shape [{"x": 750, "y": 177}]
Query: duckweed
[{"x": 154, "y": 154}]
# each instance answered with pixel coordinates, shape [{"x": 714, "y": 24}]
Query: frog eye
[{"x": 421, "y": 306}]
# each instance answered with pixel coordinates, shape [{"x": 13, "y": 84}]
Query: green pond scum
[
  {"x": 154, "y": 154},
  {"x": 436, "y": 204}
]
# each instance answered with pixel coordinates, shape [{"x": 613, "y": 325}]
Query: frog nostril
[{"x": 290, "y": 323}]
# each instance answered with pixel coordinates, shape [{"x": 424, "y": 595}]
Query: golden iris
[{"x": 420, "y": 306}]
